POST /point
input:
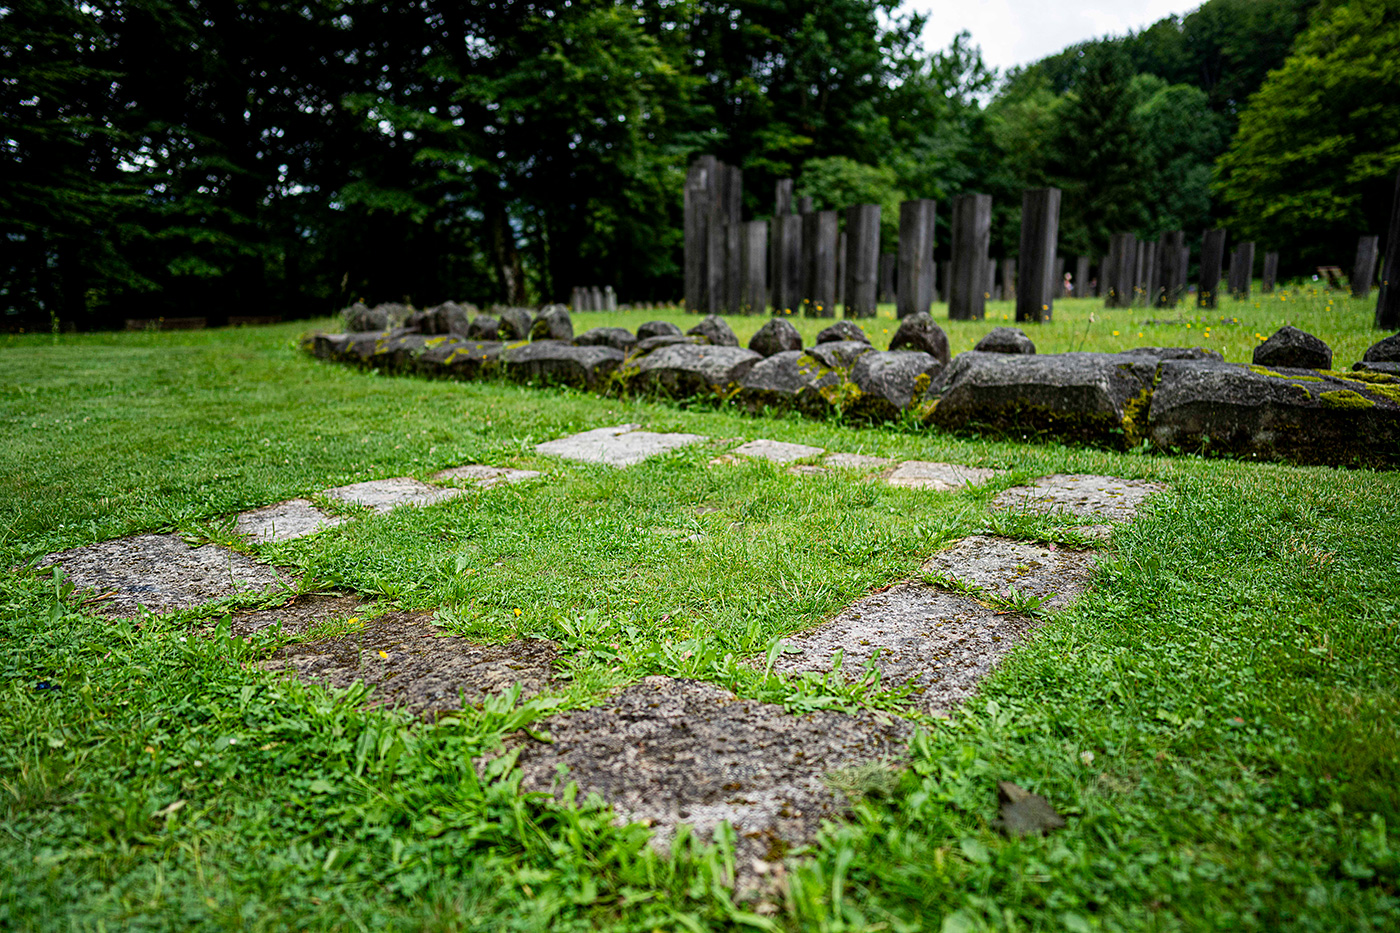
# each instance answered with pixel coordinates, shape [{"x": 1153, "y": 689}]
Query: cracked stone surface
[
  {"x": 667, "y": 751},
  {"x": 856, "y": 461},
  {"x": 939, "y": 477},
  {"x": 807, "y": 469},
  {"x": 995, "y": 565},
  {"x": 285, "y": 521},
  {"x": 410, "y": 663},
  {"x": 298, "y": 616},
  {"x": 776, "y": 451},
  {"x": 941, "y": 643},
  {"x": 384, "y": 495},
  {"x": 161, "y": 573},
  {"x": 619, "y": 446},
  {"x": 476, "y": 474},
  {"x": 1081, "y": 495}
]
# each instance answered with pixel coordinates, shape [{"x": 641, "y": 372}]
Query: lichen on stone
[{"x": 1345, "y": 398}]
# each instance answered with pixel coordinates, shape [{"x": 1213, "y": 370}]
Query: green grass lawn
[{"x": 1217, "y": 717}]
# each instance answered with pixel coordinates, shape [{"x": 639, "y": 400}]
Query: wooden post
[
  {"x": 804, "y": 205},
  {"x": 1270, "y": 273},
  {"x": 1057, "y": 280},
  {"x": 1242, "y": 270},
  {"x": 1212, "y": 255},
  {"x": 782, "y": 207},
  {"x": 734, "y": 266},
  {"x": 1151, "y": 274},
  {"x": 1122, "y": 274},
  {"x": 915, "y": 280},
  {"x": 1139, "y": 258},
  {"x": 862, "y": 259},
  {"x": 715, "y": 263},
  {"x": 841, "y": 269},
  {"x": 753, "y": 270},
  {"x": 699, "y": 205},
  {"x": 819, "y": 238},
  {"x": 1364, "y": 272},
  {"x": 888, "y": 263},
  {"x": 1008, "y": 279},
  {"x": 989, "y": 292},
  {"x": 789, "y": 272},
  {"x": 1183, "y": 268},
  {"x": 1170, "y": 273},
  {"x": 1081, "y": 277},
  {"x": 1388, "y": 301},
  {"x": 972, "y": 234}
]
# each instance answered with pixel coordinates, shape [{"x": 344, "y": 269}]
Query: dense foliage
[{"x": 211, "y": 158}]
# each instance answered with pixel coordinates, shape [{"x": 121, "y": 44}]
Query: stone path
[{"x": 663, "y": 751}]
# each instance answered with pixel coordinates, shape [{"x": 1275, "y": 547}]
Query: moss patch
[{"x": 1345, "y": 398}]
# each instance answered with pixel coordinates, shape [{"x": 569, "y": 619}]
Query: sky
[{"x": 1018, "y": 32}]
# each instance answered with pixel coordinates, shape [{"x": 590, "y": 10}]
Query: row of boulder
[{"x": 1289, "y": 405}]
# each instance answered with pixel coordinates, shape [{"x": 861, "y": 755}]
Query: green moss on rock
[{"x": 1345, "y": 398}]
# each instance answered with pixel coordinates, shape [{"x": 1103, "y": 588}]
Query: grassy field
[{"x": 1217, "y": 717}]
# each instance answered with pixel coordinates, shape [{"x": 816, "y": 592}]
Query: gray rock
[
  {"x": 839, "y": 354},
  {"x": 777, "y": 451},
  {"x": 552, "y": 323},
  {"x": 448, "y": 318},
  {"x": 666, "y": 751},
  {"x": 1392, "y": 369},
  {"x": 842, "y": 330},
  {"x": 397, "y": 313},
  {"x": 1173, "y": 353},
  {"x": 938, "y": 477},
  {"x": 891, "y": 383},
  {"x": 921, "y": 332},
  {"x": 714, "y": 329},
  {"x": 515, "y": 324},
  {"x": 1296, "y": 415},
  {"x": 390, "y": 350},
  {"x": 998, "y": 566},
  {"x": 685, "y": 370},
  {"x": 331, "y": 346},
  {"x": 161, "y": 573},
  {"x": 484, "y": 327},
  {"x": 657, "y": 329},
  {"x": 790, "y": 380},
  {"x": 1080, "y": 495},
  {"x": 1087, "y": 397},
  {"x": 649, "y": 344},
  {"x": 383, "y": 495},
  {"x": 558, "y": 363},
  {"x": 1384, "y": 351},
  {"x": 1292, "y": 348},
  {"x": 1024, "y": 813},
  {"x": 419, "y": 322},
  {"x": 1006, "y": 340},
  {"x": 459, "y": 358},
  {"x": 285, "y": 521},
  {"x": 412, "y": 664},
  {"x": 619, "y": 446},
  {"x": 359, "y": 318},
  {"x": 777, "y": 336},
  {"x": 484, "y": 477},
  {"x": 619, "y": 338}
]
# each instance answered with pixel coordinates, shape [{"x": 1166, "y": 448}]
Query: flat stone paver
[
  {"x": 485, "y": 477},
  {"x": 620, "y": 446},
  {"x": 939, "y": 477},
  {"x": 776, "y": 451},
  {"x": 410, "y": 663},
  {"x": 1081, "y": 495},
  {"x": 856, "y": 461},
  {"x": 161, "y": 573},
  {"x": 996, "y": 565},
  {"x": 667, "y": 751},
  {"x": 384, "y": 495},
  {"x": 298, "y": 616},
  {"x": 285, "y": 521},
  {"x": 941, "y": 643}
]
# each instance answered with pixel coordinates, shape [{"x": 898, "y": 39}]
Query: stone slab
[
  {"x": 843, "y": 461},
  {"x": 485, "y": 477},
  {"x": 939, "y": 477},
  {"x": 384, "y": 495},
  {"x": 161, "y": 573},
  {"x": 411, "y": 664},
  {"x": 285, "y": 521},
  {"x": 619, "y": 446},
  {"x": 996, "y": 565},
  {"x": 941, "y": 643},
  {"x": 298, "y": 616},
  {"x": 777, "y": 451},
  {"x": 666, "y": 751},
  {"x": 1081, "y": 495}
]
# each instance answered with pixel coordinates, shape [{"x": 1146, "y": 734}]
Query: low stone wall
[{"x": 1172, "y": 399}]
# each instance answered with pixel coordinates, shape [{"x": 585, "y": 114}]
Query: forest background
[{"x": 217, "y": 158}]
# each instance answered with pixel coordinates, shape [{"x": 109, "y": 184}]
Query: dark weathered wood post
[
  {"x": 862, "y": 259},
  {"x": 1150, "y": 273},
  {"x": 889, "y": 262},
  {"x": 1122, "y": 275},
  {"x": 1212, "y": 255},
  {"x": 699, "y": 206},
  {"x": 754, "y": 267},
  {"x": 972, "y": 235},
  {"x": 914, "y": 282},
  {"x": 1008, "y": 279},
  {"x": 819, "y": 238},
  {"x": 734, "y": 266},
  {"x": 777, "y": 243},
  {"x": 1388, "y": 301},
  {"x": 1139, "y": 263},
  {"x": 1242, "y": 270},
  {"x": 841, "y": 269},
  {"x": 1081, "y": 277},
  {"x": 1183, "y": 269},
  {"x": 1270, "y": 273},
  {"x": 804, "y": 205},
  {"x": 1041, "y": 278},
  {"x": 790, "y": 266},
  {"x": 1170, "y": 272},
  {"x": 990, "y": 289},
  {"x": 1364, "y": 272}
]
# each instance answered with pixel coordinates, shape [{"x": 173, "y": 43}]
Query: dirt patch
[
  {"x": 410, "y": 663},
  {"x": 161, "y": 573},
  {"x": 1056, "y": 575},
  {"x": 941, "y": 643},
  {"x": 298, "y": 616},
  {"x": 666, "y": 751},
  {"x": 1081, "y": 495}
]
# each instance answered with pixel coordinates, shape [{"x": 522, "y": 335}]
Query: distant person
[{"x": 1069, "y": 285}]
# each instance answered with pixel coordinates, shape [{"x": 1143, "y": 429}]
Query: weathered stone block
[
  {"x": 790, "y": 380},
  {"x": 776, "y": 336},
  {"x": 842, "y": 330},
  {"x": 1291, "y": 347},
  {"x": 560, "y": 363},
  {"x": 657, "y": 329},
  {"x": 920, "y": 332},
  {"x": 685, "y": 370},
  {"x": 714, "y": 329},
  {"x": 619, "y": 338},
  {"x": 552, "y": 323},
  {"x": 1006, "y": 340},
  {"x": 890, "y": 383}
]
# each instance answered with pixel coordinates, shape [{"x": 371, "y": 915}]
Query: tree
[
  {"x": 1181, "y": 138},
  {"x": 1318, "y": 146}
]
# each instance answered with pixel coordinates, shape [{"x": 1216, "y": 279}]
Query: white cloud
[{"x": 1018, "y": 32}]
